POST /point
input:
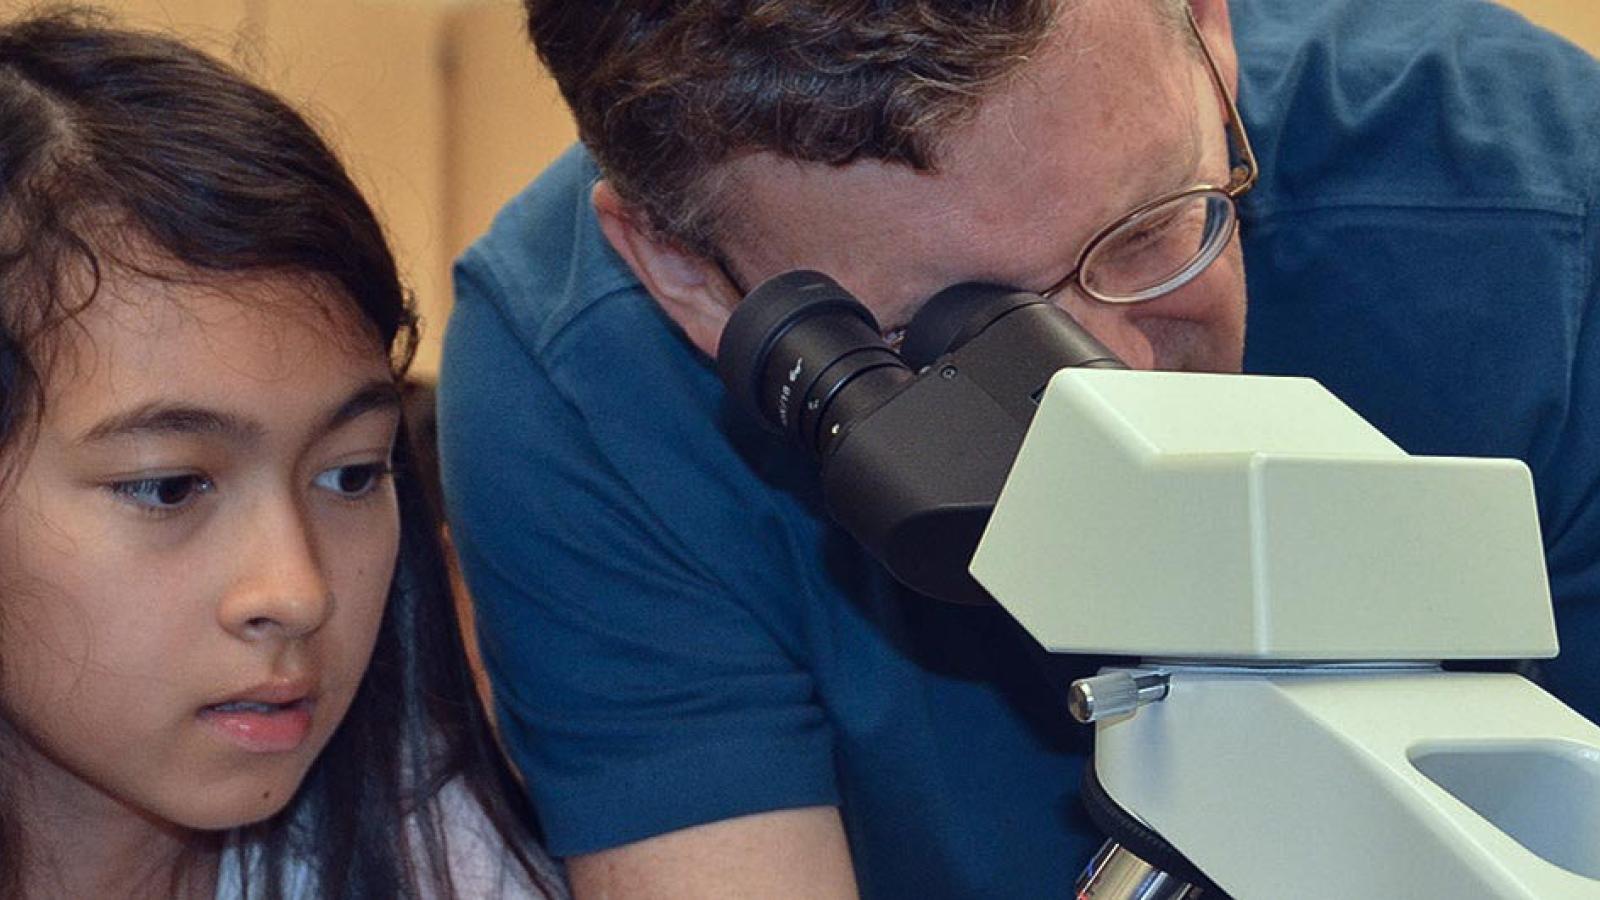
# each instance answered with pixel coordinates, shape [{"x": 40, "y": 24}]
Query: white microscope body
[{"x": 1293, "y": 579}]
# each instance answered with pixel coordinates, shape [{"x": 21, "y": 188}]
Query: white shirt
[{"x": 480, "y": 866}]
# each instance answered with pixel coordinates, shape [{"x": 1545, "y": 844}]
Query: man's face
[{"x": 1116, "y": 109}]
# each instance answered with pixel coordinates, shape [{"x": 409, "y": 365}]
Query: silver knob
[{"x": 1117, "y": 692}]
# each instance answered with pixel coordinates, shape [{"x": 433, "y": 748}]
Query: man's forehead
[
  {"x": 1100, "y": 107},
  {"x": 1095, "y": 123}
]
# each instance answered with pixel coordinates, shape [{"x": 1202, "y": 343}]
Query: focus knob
[{"x": 1118, "y": 692}]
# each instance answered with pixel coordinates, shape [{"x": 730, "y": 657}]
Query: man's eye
[
  {"x": 1135, "y": 242},
  {"x": 163, "y": 494},
  {"x": 353, "y": 481},
  {"x": 1164, "y": 225}
]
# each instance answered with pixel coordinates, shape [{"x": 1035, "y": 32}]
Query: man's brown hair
[{"x": 666, "y": 90}]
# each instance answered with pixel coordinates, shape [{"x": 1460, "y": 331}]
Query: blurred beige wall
[
  {"x": 1577, "y": 20},
  {"x": 506, "y": 114},
  {"x": 213, "y": 23},
  {"x": 440, "y": 107},
  {"x": 368, "y": 75}
]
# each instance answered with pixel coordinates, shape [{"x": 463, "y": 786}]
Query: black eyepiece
[{"x": 807, "y": 382}]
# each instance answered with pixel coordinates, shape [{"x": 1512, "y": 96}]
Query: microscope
[{"x": 1287, "y": 581}]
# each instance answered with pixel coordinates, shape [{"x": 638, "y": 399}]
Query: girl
[{"x": 228, "y": 661}]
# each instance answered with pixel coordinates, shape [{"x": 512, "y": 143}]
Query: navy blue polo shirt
[{"x": 675, "y": 633}]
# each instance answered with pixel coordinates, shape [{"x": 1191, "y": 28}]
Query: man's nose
[{"x": 279, "y": 590}]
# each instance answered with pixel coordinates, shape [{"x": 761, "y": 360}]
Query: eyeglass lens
[{"x": 1159, "y": 250}]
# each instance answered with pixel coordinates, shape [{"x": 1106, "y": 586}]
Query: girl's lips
[{"x": 260, "y": 728}]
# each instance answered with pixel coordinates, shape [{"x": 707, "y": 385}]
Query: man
[{"x": 711, "y": 691}]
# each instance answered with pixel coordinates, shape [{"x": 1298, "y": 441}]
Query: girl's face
[{"x": 195, "y": 553}]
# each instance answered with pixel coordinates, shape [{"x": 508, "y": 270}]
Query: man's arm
[
  {"x": 644, "y": 615},
  {"x": 789, "y": 853}
]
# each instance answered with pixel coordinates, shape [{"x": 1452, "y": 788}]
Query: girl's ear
[{"x": 690, "y": 288}]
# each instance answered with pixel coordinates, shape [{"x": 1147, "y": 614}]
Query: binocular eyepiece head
[{"x": 913, "y": 446}]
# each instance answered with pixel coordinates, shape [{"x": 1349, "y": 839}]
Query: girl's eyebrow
[
  {"x": 381, "y": 394},
  {"x": 160, "y": 417}
]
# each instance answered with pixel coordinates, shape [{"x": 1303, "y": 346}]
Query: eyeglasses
[{"x": 1165, "y": 243}]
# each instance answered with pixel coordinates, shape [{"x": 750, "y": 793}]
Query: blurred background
[{"x": 440, "y": 107}]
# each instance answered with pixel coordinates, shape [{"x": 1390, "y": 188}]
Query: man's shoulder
[
  {"x": 1415, "y": 102},
  {"x": 1373, "y": 45},
  {"x": 544, "y": 262}
]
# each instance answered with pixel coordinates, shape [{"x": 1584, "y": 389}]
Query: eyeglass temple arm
[{"x": 1245, "y": 171}]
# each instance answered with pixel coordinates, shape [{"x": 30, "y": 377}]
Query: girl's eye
[
  {"x": 353, "y": 481},
  {"x": 170, "y": 492}
]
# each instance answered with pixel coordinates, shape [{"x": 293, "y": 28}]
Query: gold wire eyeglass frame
[{"x": 1243, "y": 172}]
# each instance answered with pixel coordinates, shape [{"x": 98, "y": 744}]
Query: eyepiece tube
[{"x": 805, "y": 358}]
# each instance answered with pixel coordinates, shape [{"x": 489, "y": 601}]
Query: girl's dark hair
[{"x": 114, "y": 144}]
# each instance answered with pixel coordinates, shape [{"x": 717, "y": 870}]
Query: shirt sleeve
[{"x": 637, "y": 688}]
